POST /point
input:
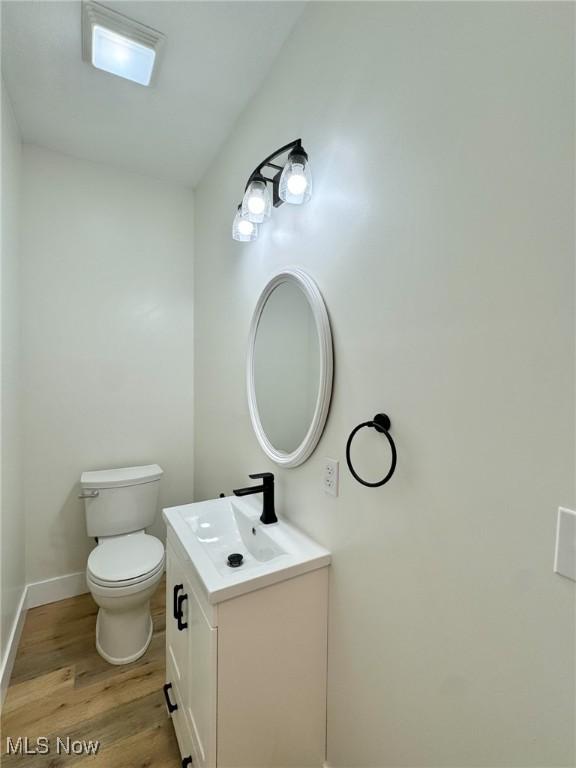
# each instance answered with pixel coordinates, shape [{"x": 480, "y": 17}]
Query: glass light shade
[
  {"x": 121, "y": 56},
  {"x": 296, "y": 180},
  {"x": 257, "y": 202},
  {"x": 243, "y": 229}
]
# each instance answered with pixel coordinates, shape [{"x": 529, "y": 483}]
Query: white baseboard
[
  {"x": 13, "y": 642},
  {"x": 33, "y": 595},
  {"x": 59, "y": 588}
]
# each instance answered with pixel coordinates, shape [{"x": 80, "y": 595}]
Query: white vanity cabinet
[{"x": 246, "y": 677}]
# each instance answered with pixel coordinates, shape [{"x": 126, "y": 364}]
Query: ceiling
[{"x": 215, "y": 56}]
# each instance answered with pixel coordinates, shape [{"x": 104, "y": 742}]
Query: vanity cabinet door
[
  {"x": 177, "y": 712},
  {"x": 177, "y": 655},
  {"x": 191, "y": 658},
  {"x": 202, "y": 683}
]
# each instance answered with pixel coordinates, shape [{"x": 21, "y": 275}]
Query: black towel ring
[{"x": 381, "y": 423}]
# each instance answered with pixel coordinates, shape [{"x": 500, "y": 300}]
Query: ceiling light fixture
[
  {"x": 292, "y": 184},
  {"x": 116, "y": 44}
]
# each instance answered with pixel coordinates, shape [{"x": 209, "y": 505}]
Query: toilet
[{"x": 126, "y": 566}]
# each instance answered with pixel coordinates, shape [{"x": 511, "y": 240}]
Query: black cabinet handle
[
  {"x": 171, "y": 707},
  {"x": 177, "y": 588},
  {"x": 179, "y": 613},
  {"x": 186, "y": 762}
]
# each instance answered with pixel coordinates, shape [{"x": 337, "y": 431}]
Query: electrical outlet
[{"x": 330, "y": 477}]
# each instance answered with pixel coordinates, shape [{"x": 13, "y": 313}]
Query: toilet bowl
[
  {"x": 126, "y": 566},
  {"x": 122, "y": 575}
]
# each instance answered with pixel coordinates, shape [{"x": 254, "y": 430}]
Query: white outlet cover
[
  {"x": 330, "y": 478},
  {"x": 565, "y": 554}
]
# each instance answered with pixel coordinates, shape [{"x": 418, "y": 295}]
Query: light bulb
[
  {"x": 257, "y": 202},
  {"x": 243, "y": 230},
  {"x": 296, "y": 180},
  {"x": 245, "y": 227}
]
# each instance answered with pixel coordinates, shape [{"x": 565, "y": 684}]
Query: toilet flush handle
[{"x": 89, "y": 494}]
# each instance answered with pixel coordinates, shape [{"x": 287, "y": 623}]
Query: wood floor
[{"x": 61, "y": 687}]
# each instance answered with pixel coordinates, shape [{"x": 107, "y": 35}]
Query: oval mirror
[{"x": 289, "y": 367}]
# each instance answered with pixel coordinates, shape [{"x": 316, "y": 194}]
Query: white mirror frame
[{"x": 316, "y": 302}]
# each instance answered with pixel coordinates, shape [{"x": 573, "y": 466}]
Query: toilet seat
[
  {"x": 123, "y": 561},
  {"x": 142, "y": 580}
]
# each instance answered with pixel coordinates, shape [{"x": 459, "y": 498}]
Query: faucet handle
[{"x": 262, "y": 476}]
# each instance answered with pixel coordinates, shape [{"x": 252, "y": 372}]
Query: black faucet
[{"x": 268, "y": 515}]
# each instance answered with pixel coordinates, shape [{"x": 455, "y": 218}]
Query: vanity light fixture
[
  {"x": 292, "y": 183},
  {"x": 116, "y": 44}
]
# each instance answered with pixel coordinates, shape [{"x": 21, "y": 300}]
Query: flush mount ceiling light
[
  {"x": 116, "y": 44},
  {"x": 292, "y": 184}
]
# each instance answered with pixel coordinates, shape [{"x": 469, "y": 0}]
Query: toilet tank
[{"x": 120, "y": 500}]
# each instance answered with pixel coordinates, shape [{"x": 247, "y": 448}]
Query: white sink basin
[
  {"x": 209, "y": 531},
  {"x": 226, "y": 528}
]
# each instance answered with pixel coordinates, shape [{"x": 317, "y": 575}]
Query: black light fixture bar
[{"x": 257, "y": 175}]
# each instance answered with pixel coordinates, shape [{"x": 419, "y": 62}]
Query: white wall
[
  {"x": 12, "y": 574},
  {"x": 107, "y": 334},
  {"x": 440, "y": 233}
]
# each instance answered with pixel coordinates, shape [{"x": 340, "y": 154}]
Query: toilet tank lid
[{"x": 116, "y": 478}]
